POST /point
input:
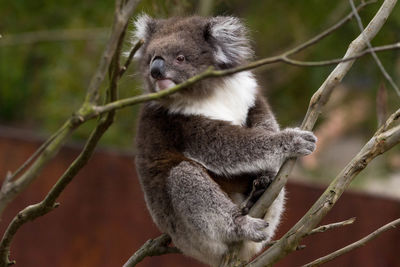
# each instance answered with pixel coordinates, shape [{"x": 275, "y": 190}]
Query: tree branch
[
  {"x": 331, "y": 226},
  {"x": 354, "y": 245}
]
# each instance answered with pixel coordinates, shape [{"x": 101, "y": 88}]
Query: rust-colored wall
[{"x": 102, "y": 219}]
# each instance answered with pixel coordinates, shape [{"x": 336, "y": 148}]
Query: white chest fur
[{"x": 230, "y": 102}]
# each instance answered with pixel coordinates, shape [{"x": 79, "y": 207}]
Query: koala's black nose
[{"x": 157, "y": 68}]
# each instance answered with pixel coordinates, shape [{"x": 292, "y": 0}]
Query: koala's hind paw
[
  {"x": 252, "y": 229},
  {"x": 260, "y": 184},
  {"x": 301, "y": 142}
]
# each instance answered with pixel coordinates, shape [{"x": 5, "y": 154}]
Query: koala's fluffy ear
[
  {"x": 229, "y": 38},
  {"x": 144, "y": 27}
]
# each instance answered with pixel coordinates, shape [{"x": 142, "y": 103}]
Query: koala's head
[{"x": 176, "y": 49}]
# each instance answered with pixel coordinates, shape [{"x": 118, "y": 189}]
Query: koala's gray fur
[{"x": 201, "y": 150}]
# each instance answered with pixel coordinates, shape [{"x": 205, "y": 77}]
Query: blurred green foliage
[{"x": 42, "y": 83}]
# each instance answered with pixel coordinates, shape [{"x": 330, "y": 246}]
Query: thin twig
[
  {"x": 354, "y": 245},
  {"x": 374, "y": 55},
  {"x": 130, "y": 57},
  {"x": 331, "y": 226}
]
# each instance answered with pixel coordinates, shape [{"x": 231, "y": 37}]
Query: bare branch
[
  {"x": 152, "y": 247},
  {"x": 374, "y": 55},
  {"x": 331, "y": 226},
  {"x": 354, "y": 245},
  {"x": 130, "y": 57}
]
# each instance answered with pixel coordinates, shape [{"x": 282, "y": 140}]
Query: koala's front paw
[{"x": 299, "y": 142}]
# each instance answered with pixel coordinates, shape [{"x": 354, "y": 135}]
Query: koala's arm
[{"x": 230, "y": 150}]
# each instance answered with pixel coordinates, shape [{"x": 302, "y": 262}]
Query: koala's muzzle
[{"x": 157, "y": 68}]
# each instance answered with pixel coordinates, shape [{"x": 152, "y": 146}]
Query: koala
[{"x": 205, "y": 149}]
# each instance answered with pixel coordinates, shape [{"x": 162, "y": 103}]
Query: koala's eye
[{"x": 180, "y": 58}]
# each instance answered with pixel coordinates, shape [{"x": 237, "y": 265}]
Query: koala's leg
[{"x": 207, "y": 220}]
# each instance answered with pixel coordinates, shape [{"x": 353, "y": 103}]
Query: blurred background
[{"x": 50, "y": 49}]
